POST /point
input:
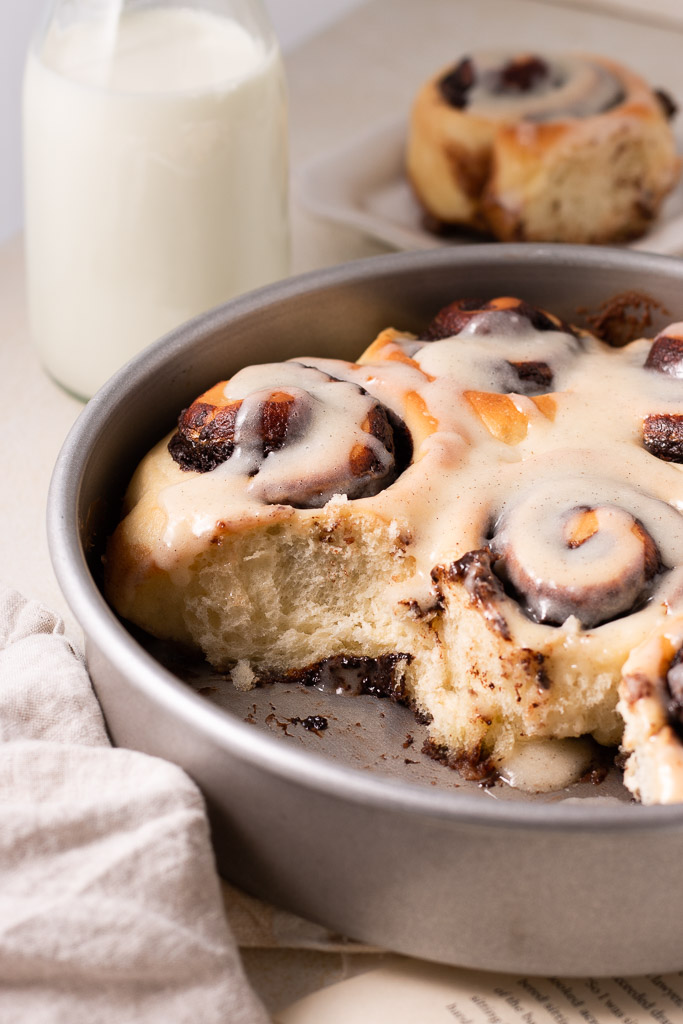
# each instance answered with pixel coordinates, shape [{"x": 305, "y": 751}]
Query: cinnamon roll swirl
[
  {"x": 562, "y": 556},
  {"x": 468, "y": 514},
  {"x": 300, "y": 435},
  {"x": 527, "y": 147}
]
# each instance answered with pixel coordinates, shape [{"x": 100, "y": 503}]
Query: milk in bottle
[{"x": 155, "y": 174}]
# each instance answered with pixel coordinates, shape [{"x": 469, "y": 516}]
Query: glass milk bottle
[{"x": 155, "y": 159}]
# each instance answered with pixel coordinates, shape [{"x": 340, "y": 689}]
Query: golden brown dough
[{"x": 568, "y": 149}]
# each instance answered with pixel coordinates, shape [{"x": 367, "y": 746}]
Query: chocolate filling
[
  {"x": 475, "y": 571},
  {"x": 523, "y": 74},
  {"x": 456, "y": 84},
  {"x": 666, "y": 356},
  {"x": 204, "y": 438},
  {"x": 667, "y": 103},
  {"x": 314, "y": 723},
  {"x": 623, "y": 318},
  {"x": 546, "y": 601},
  {"x": 663, "y": 436},
  {"x": 452, "y": 319},
  {"x": 519, "y": 75},
  {"x": 352, "y": 674},
  {"x": 535, "y": 377},
  {"x": 674, "y": 684}
]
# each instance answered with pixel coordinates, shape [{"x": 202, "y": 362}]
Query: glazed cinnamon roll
[
  {"x": 571, "y": 550},
  {"x": 245, "y": 529},
  {"x": 466, "y": 517},
  {"x": 298, "y": 434},
  {"x": 568, "y": 571},
  {"x": 527, "y": 147}
]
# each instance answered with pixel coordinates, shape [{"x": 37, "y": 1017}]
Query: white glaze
[
  {"x": 576, "y": 87},
  {"x": 464, "y": 479},
  {"x": 546, "y": 765}
]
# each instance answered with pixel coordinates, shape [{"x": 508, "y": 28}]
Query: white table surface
[{"x": 363, "y": 70}]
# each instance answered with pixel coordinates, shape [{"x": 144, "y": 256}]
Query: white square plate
[{"x": 363, "y": 184}]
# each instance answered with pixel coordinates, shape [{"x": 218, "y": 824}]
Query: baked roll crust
[
  {"x": 569, "y": 149},
  {"x": 651, "y": 705}
]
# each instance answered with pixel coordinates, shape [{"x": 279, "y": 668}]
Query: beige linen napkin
[{"x": 110, "y": 906}]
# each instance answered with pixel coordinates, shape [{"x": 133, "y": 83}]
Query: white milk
[{"x": 156, "y": 182}]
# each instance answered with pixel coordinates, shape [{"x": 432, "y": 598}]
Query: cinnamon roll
[
  {"x": 466, "y": 517},
  {"x": 527, "y": 147},
  {"x": 299, "y": 435}
]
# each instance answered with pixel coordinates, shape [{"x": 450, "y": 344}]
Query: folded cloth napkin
[{"x": 110, "y": 905}]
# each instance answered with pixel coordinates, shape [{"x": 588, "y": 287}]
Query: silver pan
[{"x": 351, "y": 827}]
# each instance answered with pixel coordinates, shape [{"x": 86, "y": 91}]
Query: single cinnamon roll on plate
[{"x": 568, "y": 148}]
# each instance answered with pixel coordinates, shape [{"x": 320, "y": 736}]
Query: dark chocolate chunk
[
  {"x": 674, "y": 683},
  {"x": 456, "y": 84},
  {"x": 475, "y": 571},
  {"x": 522, "y": 74},
  {"x": 663, "y": 436},
  {"x": 204, "y": 438},
  {"x": 667, "y": 103},
  {"x": 314, "y": 723},
  {"x": 666, "y": 356},
  {"x": 381, "y": 676},
  {"x": 452, "y": 319},
  {"x": 533, "y": 375}
]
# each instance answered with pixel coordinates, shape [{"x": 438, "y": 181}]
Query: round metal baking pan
[{"x": 349, "y": 828}]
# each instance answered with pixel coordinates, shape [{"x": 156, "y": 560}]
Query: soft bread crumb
[{"x": 243, "y": 677}]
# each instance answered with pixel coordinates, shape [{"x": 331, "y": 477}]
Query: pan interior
[{"x": 368, "y": 733}]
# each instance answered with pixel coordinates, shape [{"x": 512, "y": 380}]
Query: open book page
[{"x": 410, "y": 992}]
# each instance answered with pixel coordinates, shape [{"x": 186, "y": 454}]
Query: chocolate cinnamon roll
[
  {"x": 542, "y": 613},
  {"x": 562, "y": 556},
  {"x": 527, "y": 147},
  {"x": 300, "y": 434}
]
